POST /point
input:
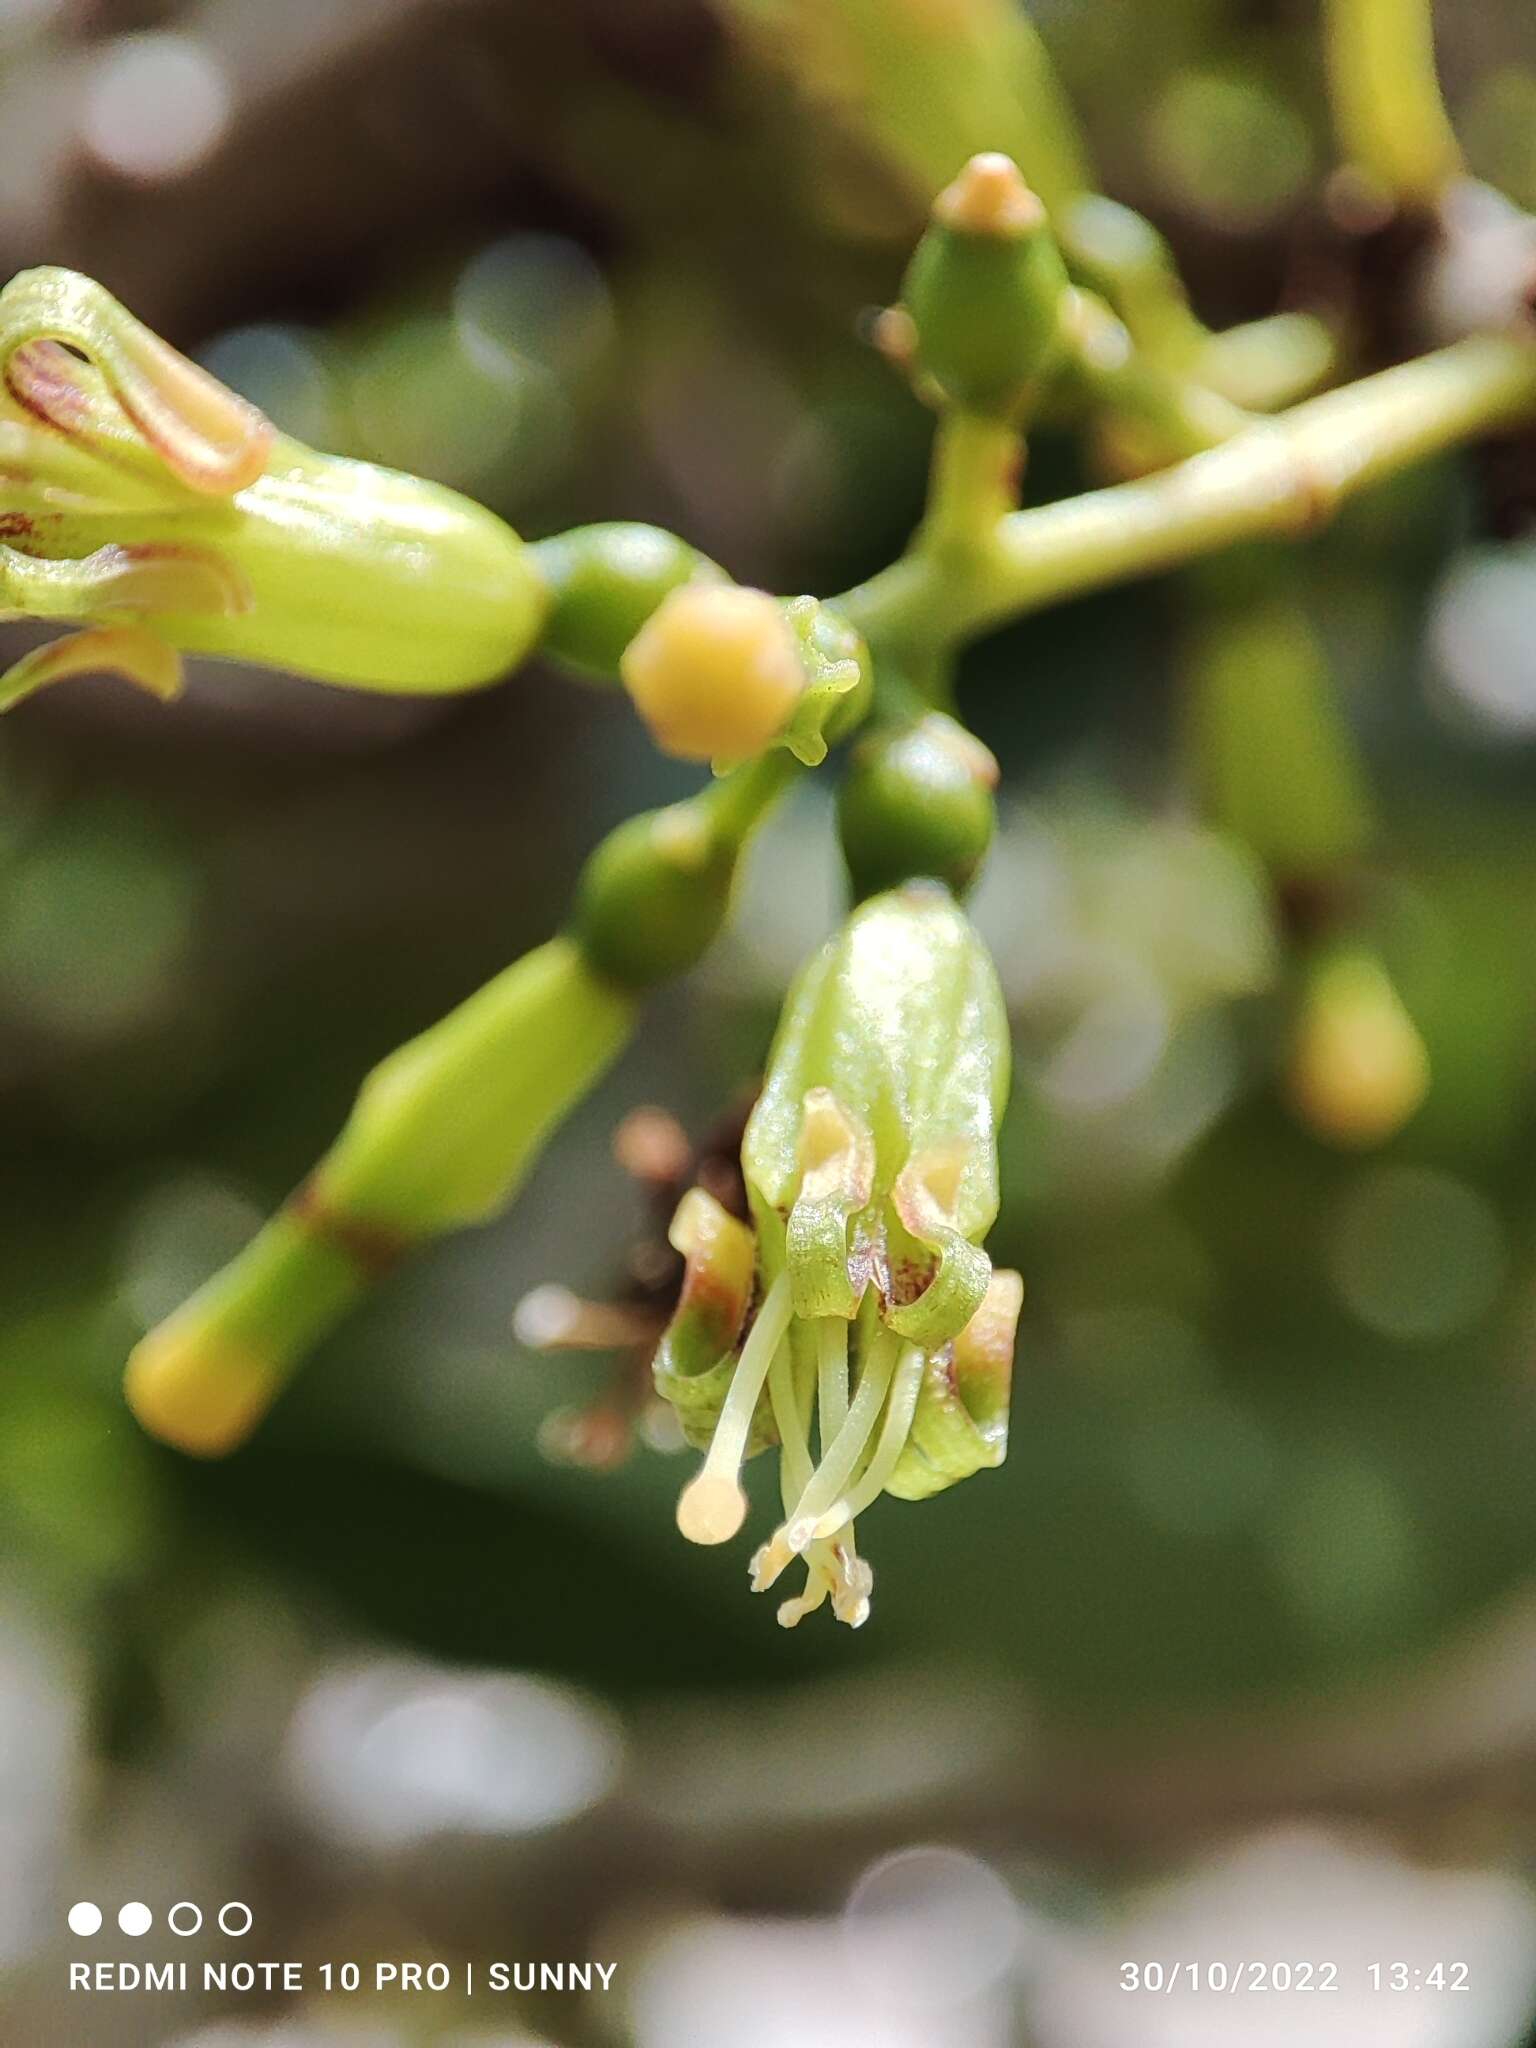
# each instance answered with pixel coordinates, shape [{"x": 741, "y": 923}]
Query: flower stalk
[
  {"x": 1385, "y": 90},
  {"x": 1279, "y": 478},
  {"x": 447, "y": 1128}
]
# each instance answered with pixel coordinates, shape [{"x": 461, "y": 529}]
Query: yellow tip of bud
[
  {"x": 711, "y": 1509},
  {"x": 200, "y": 1394},
  {"x": 1359, "y": 1069},
  {"x": 989, "y": 197},
  {"x": 715, "y": 672}
]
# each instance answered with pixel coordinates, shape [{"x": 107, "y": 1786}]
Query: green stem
[
  {"x": 1387, "y": 109},
  {"x": 972, "y": 487},
  {"x": 972, "y": 484},
  {"x": 444, "y": 1132},
  {"x": 1278, "y": 478},
  {"x": 738, "y": 802}
]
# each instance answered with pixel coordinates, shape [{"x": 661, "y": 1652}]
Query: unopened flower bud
[
  {"x": 917, "y": 801},
  {"x": 1358, "y": 1067},
  {"x": 605, "y": 581},
  {"x": 985, "y": 290},
  {"x": 442, "y": 1134},
  {"x": 654, "y": 894}
]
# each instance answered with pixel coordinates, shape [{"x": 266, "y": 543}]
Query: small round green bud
[
  {"x": 654, "y": 894},
  {"x": 985, "y": 290},
  {"x": 606, "y": 581},
  {"x": 917, "y": 802}
]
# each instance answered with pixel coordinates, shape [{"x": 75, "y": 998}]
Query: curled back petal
[
  {"x": 148, "y": 577},
  {"x": 837, "y": 1172},
  {"x": 961, "y": 1422},
  {"x": 695, "y": 1359},
  {"x": 130, "y": 651},
  {"x": 925, "y": 1198},
  {"x": 211, "y": 440}
]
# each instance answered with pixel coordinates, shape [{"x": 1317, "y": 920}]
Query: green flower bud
[
  {"x": 985, "y": 290},
  {"x": 654, "y": 895},
  {"x": 916, "y": 802},
  {"x": 1358, "y": 1069},
  {"x": 443, "y": 1133},
  {"x": 147, "y": 500},
  {"x": 871, "y": 1167},
  {"x": 605, "y": 582},
  {"x": 1121, "y": 255}
]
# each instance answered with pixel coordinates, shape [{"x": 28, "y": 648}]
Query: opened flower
[
  {"x": 141, "y": 497},
  {"x": 862, "y": 1309}
]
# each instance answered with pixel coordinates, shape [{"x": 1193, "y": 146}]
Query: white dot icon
[
  {"x": 135, "y": 1919},
  {"x": 84, "y": 1918}
]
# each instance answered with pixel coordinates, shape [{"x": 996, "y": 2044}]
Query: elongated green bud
[
  {"x": 985, "y": 291},
  {"x": 604, "y": 582},
  {"x": 917, "y": 801},
  {"x": 142, "y": 495},
  {"x": 1121, "y": 255},
  {"x": 443, "y": 1133},
  {"x": 1273, "y": 758}
]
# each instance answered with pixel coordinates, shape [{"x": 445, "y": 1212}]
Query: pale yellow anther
[
  {"x": 715, "y": 672},
  {"x": 989, "y": 197},
  {"x": 711, "y": 1509}
]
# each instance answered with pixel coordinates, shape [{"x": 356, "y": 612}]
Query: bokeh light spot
[
  {"x": 281, "y": 369},
  {"x": 1416, "y": 1254},
  {"x": 155, "y": 105},
  {"x": 1230, "y": 148},
  {"x": 386, "y": 1754},
  {"x": 1484, "y": 674},
  {"x": 931, "y": 1927}
]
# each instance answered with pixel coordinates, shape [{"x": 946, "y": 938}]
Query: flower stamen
[
  {"x": 899, "y": 1410},
  {"x": 841, "y": 1459},
  {"x": 713, "y": 1507}
]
